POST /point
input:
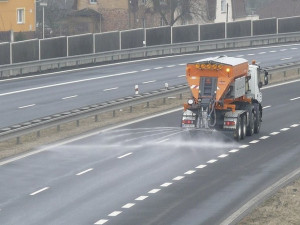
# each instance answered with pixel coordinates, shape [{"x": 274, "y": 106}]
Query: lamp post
[{"x": 43, "y": 4}]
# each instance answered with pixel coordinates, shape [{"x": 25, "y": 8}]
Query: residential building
[
  {"x": 17, "y": 15},
  {"x": 279, "y": 9}
]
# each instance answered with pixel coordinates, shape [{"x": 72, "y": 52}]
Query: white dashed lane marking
[
  {"x": 182, "y": 64},
  {"x": 83, "y": 172},
  {"x": 150, "y": 81},
  {"x": 171, "y": 66},
  {"x": 273, "y": 51},
  {"x": 181, "y": 75},
  {"x": 275, "y": 133},
  {"x": 264, "y": 137},
  {"x": 128, "y": 205},
  {"x": 254, "y": 141},
  {"x": 26, "y": 106},
  {"x": 190, "y": 172},
  {"x": 286, "y": 58},
  {"x": 250, "y": 54},
  {"x": 284, "y": 129},
  {"x": 262, "y": 53},
  {"x": 153, "y": 191},
  {"x": 178, "y": 178},
  {"x": 223, "y": 155},
  {"x": 282, "y": 50},
  {"x": 268, "y": 106},
  {"x": 100, "y": 222},
  {"x": 73, "y": 96},
  {"x": 39, "y": 191},
  {"x": 165, "y": 184},
  {"x": 243, "y": 146},
  {"x": 295, "y": 125},
  {"x": 122, "y": 156},
  {"x": 158, "y": 68},
  {"x": 200, "y": 166},
  {"x": 141, "y": 198},
  {"x": 293, "y": 99},
  {"x": 294, "y": 48},
  {"x": 163, "y": 141},
  {"x": 115, "y": 213},
  {"x": 111, "y": 89},
  {"x": 234, "y": 150},
  {"x": 212, "y": 161},
  {"x": 145, "y": 70}
]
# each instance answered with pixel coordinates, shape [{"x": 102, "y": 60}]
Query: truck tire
[
  {"x": 238, "y": 130},
  {"x": 244, "y": 126},
  {"x": 257, "y": 120},
  {"x": 250, "y": 128}
]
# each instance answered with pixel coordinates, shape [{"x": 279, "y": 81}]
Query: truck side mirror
[{"x": 266, "y": 78}]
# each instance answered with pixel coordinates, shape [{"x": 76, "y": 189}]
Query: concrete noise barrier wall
[
  {"x": 239, "y": 29},
  {"x": 107, "y": 41},
  {"x": 80, "y": 44},
  {"x": 264, "y": 26},
  {"x": 212, "y": 31},
  {"x": 4, "y": 53},
  {"x": 25, "y": 51},
  {"x": 286, "y": 25},
  {"x": 132, "y": 38},
  {"x": 158, "y": 36},
  {"x": 53, "y": 47},
  {"x": 187, "y": 33}
]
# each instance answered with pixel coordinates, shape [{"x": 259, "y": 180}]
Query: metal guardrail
[
  {"x": 152, "y": 51},
  {"x": 96, "y": 109}
]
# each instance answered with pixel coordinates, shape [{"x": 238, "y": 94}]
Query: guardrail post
[
  {"x": 180, "y": 96},
  {"x": 96, "y": 118},
  {"x": 130, "y": 109},
  {"x": 38, "y": 134},
  {"x": 164, "y": 101},
  {"x": 114, "y": 113},
  {"x": 18, "y": 140},
  {"x": 77, "y": 123},
  {"x": 298, "y": 71},
  {"x": 284, "y": 73},
  {"x": 148, "y": 104},
  {"x": 58, "y": 128}
]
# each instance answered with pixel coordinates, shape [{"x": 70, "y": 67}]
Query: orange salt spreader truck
[{"x": 226, "y": 96}]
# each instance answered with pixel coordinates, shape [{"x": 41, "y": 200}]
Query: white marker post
[
  {"x": 136, "y": 89},
  {"x": 166, "y": 86}
]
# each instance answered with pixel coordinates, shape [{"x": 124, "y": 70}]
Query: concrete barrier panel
[
  {"x": 4, "y": 53},
  {"x": 109, "y": 41},
  {"x": 286, "y": 25},
  {"x": 239, "y": 29},
  {"x": 212, "y": 31},
  {"x": 25, "y": 51},
  {"x": 132, "y": 38},
  {"x": 80, "y": 44},
  {"x": 158, "y": 36},
  {"x": 53, "y": 47},
  {"x": 187, "y": 33},
  {"x": 265, "y": 26}
]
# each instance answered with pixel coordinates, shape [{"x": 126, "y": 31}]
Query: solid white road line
[
  {"x": 178, "y": 178},
  {"x": 122, "y": 156},
  {"x": 110, "y": 89},
  {"x": 223, "y": 156},
  {"x": 190, "y": 172},
  {"x": 100, "y": 222},
  {"x": 275, "y": 133},
  {"x": 85, "y": 171},
  {"x": 145, "y": 70},
  {"x": 268, "y": 106},
  {"x": 39, "y": 191},
  {"x": 153, "y": 191},
  {"x": 128, "y": 205},
  {"x": 200, "y": 166},
  {"x": 66, "y": 83},
  {"x": 212, "y": 161},
  {"x": 286, "y": 58},
  {"x": 264, "y": 137},
  {"x": 73, "y": 96},
  {"x": 141, "y": 198},
  {"x": 115, "y": 213},
  {"x": 150, "y": 81},
  {"x": 26, "y": 106},
  {"x": 284, "y": 129},
  {"x": 165, "y": 184},
  {"x": 243, "y": 146},
  {"x": 254, "y": 141},
  {"x": 234, "y": 150},
  {"x": 293, "y": 99}
]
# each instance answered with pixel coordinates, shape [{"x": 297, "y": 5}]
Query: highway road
[
  {"x": 26, "y": 98},
  {"x": 151, "y": 172}
]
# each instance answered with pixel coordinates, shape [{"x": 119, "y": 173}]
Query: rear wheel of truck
[
  {"x": 256, "y": 120},
  {"x": 238, "y": 130},
  {"x": 244, "y": 126},
  {"x": 250, "y": 128}
]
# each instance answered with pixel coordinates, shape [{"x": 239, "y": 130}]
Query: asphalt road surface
[
  {"x": 152, "y": 172},
  {"x": 27, "y": 98}
]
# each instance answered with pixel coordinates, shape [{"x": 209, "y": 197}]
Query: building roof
[
  {"x": 279, "y": 9},
  {"x": 86, "y": 12}
]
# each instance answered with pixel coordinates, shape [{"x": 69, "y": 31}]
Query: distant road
[{"x": 24, "y": 99}]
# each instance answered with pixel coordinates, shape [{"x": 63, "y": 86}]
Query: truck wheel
[
  {"x": 238, "y": 130},
  {"x": 244, "y": 126},
  {"x": 250, "y": 128},
  {"x": 257, "y": 121}
]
